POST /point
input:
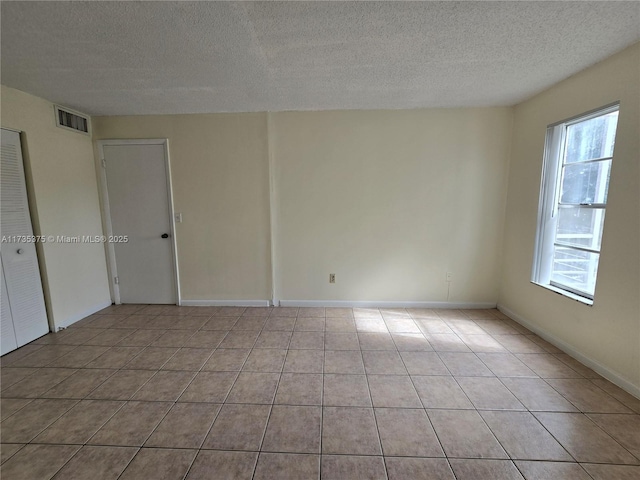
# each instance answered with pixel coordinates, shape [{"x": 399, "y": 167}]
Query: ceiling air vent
[{"x": 66, "y": 118}]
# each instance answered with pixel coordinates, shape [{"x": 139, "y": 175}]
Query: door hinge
[
  {"x": 116, "y": 280},
  {"x": 104, "y": 163}
]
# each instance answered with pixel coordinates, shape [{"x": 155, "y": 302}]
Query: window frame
[{"x": 549, "y": 204}]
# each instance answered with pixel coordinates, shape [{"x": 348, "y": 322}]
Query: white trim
[
  {"x": 79, "y": 316},
  {"x": 590, "y": 114},
  {"x": 172, "y": 223},
  {"x": 573, "y": 352},
  {"x": 273, "y": 217},
  {"x": 106, "y": 215},
  {"x": 383, "y": 304},
  {"x": 543, "y": 250},
  {"x": 226, "y": 303},
  {"x": 566, "y": 293},
  {"x": 12, "y": 130},
  {"x": 549, "y": 203},
  {"x": 111, "y": 255}
]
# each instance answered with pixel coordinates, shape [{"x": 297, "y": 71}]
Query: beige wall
[
  {"x": 64, "y": 201},
  {"x": 609, "y": 332},
  {"x": 219, "y": 169},
  {"x": 389, "y": 201}
]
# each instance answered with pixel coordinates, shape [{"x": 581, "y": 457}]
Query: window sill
[{"x": 565, "y": 293}]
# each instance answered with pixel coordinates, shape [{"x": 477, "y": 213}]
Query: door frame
[{"x": 106, "y": 212}]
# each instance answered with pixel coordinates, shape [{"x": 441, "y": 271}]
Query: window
[{"x": 573, "y": 201}]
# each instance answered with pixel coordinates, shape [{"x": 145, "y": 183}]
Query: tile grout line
[
  {"x": 266, "y": 426},
  {"x": 324, "y": 361},
  {"x": 375, "y": 420},
  {"x": 424, "y": 408},
  {"x": 128, "y": 463}
]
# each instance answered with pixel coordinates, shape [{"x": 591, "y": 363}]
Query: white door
[
  {"x": 8, "y": 340},
  {"x": 22, "y": 297},
  {"x": 140, "y": 216}
]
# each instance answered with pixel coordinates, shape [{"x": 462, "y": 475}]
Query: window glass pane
[
  {"x": 575, "y": 269},
  {"x": 581, "y": 227},
  {"x": 593, "y": 138},
  {"x": 585, "y": 182}
]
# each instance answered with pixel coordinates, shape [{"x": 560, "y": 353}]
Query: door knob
[
  {"x": 165, "y": 235},
  {"x": 20, "y": 251}
]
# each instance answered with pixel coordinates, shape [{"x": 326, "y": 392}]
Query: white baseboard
[
  {"x": 79, "y": 316},
  {"x": 225, "y": 303},
  {"x": 379, "y": 304},
  {"x": 572, "y": 351}
]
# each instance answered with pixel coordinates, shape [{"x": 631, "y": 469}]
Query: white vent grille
[{"x": 66, "y": 118}]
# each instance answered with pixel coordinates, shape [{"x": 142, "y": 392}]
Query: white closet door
[
  {"x": 7, "y": 333},
  {"x": 19, "y": 259}
]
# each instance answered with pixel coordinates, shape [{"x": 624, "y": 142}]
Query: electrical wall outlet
[
  {"x": 449, "y": 276},
  {"x": 332, "y": 278}
]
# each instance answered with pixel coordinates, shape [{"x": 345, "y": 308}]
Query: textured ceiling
[{"x": 122, "y": 58}]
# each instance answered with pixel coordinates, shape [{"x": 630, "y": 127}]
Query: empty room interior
[{"x": 320, "y": 240}]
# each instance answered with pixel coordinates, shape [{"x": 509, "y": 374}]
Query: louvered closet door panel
[
  {"x": 13, "y": 205},
  {"x": 19, "y": 258},
  {"x": 7, "y": 333}
]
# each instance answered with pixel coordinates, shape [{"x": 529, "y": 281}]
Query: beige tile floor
[{"x": 150, "y": 392}]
